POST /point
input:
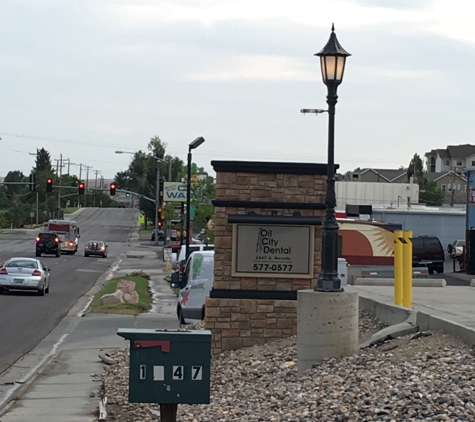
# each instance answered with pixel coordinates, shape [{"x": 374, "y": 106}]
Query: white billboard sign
[{"x": 174, "y": 192}]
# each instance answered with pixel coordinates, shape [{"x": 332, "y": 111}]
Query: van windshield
[{"x": 202, "y": 268}]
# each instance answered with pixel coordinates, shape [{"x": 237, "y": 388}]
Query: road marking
[
  {"x": 86, "y": 270},
  {"x": 21, "y": 381}
]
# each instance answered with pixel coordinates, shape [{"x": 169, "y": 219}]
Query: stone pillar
[{"x": 327, "y": 326}]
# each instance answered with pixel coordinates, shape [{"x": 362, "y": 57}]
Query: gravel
[{"x": 427, "y": 376}]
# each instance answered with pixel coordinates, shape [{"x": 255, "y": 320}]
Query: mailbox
[{"x": 169, "y": 366}]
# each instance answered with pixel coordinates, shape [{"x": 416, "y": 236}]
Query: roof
[
  {"x": 388, "y": 174},
  {"x": 433, "y": 176},
  {"x": 461, "y": 151},
  {"x": 443, "y": 153}
]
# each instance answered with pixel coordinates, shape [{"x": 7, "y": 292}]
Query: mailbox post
[{"x": 169, "y": 367}]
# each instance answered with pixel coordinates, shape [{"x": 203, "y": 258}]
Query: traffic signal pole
[{"x": 157, "y": 201}]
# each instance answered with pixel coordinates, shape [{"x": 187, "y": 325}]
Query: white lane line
[{"x": 22, "y": 380}]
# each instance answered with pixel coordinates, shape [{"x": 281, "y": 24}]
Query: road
[{"x": 26, "y": 318}]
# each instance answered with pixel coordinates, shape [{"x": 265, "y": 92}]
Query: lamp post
[
  {"x": 157, "y": 189},
  {"x": 193, "y": 145},
  {"x": 332, "y": 62}
]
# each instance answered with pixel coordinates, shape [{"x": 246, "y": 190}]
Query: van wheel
[
  {"x": 203, "y": 313},
  {"x": 58, "y": 253}
]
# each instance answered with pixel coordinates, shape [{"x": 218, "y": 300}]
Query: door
[{"x": 200, "y": 283}]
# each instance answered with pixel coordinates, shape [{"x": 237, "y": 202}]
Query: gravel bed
[{"x": 427, "y": 376}]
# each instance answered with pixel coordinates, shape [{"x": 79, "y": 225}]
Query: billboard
[{"x": 174, "y": 192}]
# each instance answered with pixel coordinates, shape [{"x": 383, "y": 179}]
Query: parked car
[
  {"x": 195, "y": 285},
  {"x": 456, "y": 249},
  {"x": 25, "y": 274},
  {"x": 48, "y": 243},
  {"x": 121, "y": 205},
  {"x": 427, "y": 251},
  {"x": 161, "y": 235},
  {"x": 96, "y": 247},
  {"x": 179, "y": 261}
]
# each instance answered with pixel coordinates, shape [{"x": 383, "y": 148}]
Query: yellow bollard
[
  {"x": 407, "y": 269},
  {"x": 398, "y": 267},
  {"x": 168, "y": 267}
]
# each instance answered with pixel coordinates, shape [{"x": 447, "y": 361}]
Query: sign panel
[
  {"x": 273, "y": 251},
  {"x": 174, "y": 192}
]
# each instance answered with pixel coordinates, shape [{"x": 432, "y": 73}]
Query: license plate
[
  {"x": 18, "y": 280},
  {"x": 426, "y": 262},
  {"x": 40, "y": 244}
]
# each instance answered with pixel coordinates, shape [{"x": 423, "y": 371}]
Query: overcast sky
[{"x": 85, "y": 78}]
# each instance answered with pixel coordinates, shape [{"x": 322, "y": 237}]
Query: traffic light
[
  {"x": 32, "y": 182},
  {"x": 81, "y": 188},
  {"x": 49, "y": 184},
  {"x": 160, "y": 224},
  {"x": 112, "y": 189},
  {"x": 127, "y": 194},
  {"x": 160, "y": 189}
]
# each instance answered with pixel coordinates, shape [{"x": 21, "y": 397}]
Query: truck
[{"x": 68, "y": 231}]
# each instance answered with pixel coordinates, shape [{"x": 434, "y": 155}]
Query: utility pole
[
  {"x": 59, "y": 172},
  {"x": 95, "y": 185},
  {"x": 87, "y": 183},
  {"x": 453, "y": 189},
  {"x": 36, "y": 184}
]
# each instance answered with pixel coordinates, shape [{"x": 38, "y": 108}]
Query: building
[
  {"x": 454, "y": 158},
  {"x": 453, "y": 184},
  {"x": 377, "y": 175}
]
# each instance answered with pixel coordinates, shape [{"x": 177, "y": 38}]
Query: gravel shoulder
[{"x": 426, "y": 376}]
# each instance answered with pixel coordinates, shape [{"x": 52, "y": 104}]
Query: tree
[
  {"x": 43, "y": 161},
  {"x": 430, "y": 194},
  {"x": 416, "y": 170}
]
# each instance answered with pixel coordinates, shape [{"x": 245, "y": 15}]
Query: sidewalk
[{"x": 63, "y": 384}]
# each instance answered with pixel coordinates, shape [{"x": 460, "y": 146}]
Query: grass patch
[
  {"x": 3, "y": 232},
  {"x": 141, "y": 286},
  {"x": 145, "y": 231},
  {"x": 70, "y": 210}
]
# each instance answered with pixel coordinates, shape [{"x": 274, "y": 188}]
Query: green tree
[
  {"x": 430, "y": 194},
  {"x": 416, "y": 170},
  {"x": 43, "y": 161}
]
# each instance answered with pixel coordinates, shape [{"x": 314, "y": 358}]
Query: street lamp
[
  {"x": 332, "y": 62},
  {"x": 157, "y": 190},
  {"x": 193, "y": 145}
]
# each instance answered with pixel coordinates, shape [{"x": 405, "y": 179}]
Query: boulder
[
  {"x": 116, "y": 297},
  {"x": 132, "y": 297},
  {"x": 126, "y": 286}
]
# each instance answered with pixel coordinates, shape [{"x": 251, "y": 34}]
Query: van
[
  {"x": 178, "y": 262},
  {"x": 195, "y": 284},
  {"x": 427, "y": 251}
]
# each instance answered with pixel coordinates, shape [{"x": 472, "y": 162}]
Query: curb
[{"x": 418, "y": 282}]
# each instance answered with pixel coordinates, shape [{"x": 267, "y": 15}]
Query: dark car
[
  {"x": 48, "y": 243},
  {"x": 427, "y": 251},
  {"x": 121, "y": 204},
  {"x": 161, "y": 236},
  {"x": 96, "y": 247}
]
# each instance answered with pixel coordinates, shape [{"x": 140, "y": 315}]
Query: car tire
[
  {"x": 86, "y": 255},
  {"x": 58, "y": 253},
  {"x": 41, "y": 292},
  {"x": 203, "y": 313},
  {"x": 47, "y": 289},
  {"x": 440, "y": 270},
  {"x": 38, "y": 254}
]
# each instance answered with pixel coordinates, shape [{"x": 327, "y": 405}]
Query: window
[
  {"x": 459, "y": 163},
  {"x": 443, "y": 187},
  {"x": 355, "y": 176},
  {"x": 473, "y": 163},
  {"x": 447, "y": 162}
]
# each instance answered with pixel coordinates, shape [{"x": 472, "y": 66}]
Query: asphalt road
[{"x": 25, "y": 318}]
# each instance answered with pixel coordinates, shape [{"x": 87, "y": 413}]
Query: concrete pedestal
[{"x": 327, "y": 326}]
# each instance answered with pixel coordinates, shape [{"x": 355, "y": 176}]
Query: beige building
[
  {"x": 453, "y": 158},
  {"x": 453, "y": 184},
  {"x": 377, "y": 175}
]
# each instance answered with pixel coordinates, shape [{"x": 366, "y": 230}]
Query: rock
[
  {"x": 126, "y": 286},
  {"x": 116, "y": 297},
  {"x": 106, "y": 359},
  {"x": 286, "y": 365},
  {"x": 132, "y": 297}
]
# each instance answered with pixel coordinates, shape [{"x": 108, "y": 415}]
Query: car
[
  {"x": 179, "y": 260},
  {"x": 96, "y": 247},
  {"x": 195, "y": 285},
  {"x": 48, "y": 243},
  {"x": 161, "y": 235},
  {"x": 121, "y": 205},
  {"x": 25, "y": 274},
  {"x": 427, "y": 251},
  {"x": 456, "y": 249}
]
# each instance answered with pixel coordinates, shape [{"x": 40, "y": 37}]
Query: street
[{"x": 27, "y": 318}]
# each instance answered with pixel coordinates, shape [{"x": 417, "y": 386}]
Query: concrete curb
[
  {"x": 417, "y": 282},
  {"x": 397, "y": 315}
]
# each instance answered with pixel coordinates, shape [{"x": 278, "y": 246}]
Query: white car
[
  {"x": 25, "y": 274},
  {"x": 456, "y": 248},
  {"x": 195, "y": 285}
]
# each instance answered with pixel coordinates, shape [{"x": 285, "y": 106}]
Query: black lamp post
[
  {"x": 332, "y": 61},
  {"x": 193, "y": 145}
]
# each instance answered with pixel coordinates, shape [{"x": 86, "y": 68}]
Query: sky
[{"x": 85, "y": 78}]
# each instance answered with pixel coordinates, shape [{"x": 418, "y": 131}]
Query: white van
[
  {"x": 195, "y": 284},
  {"x": 178, "y": 263}
]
